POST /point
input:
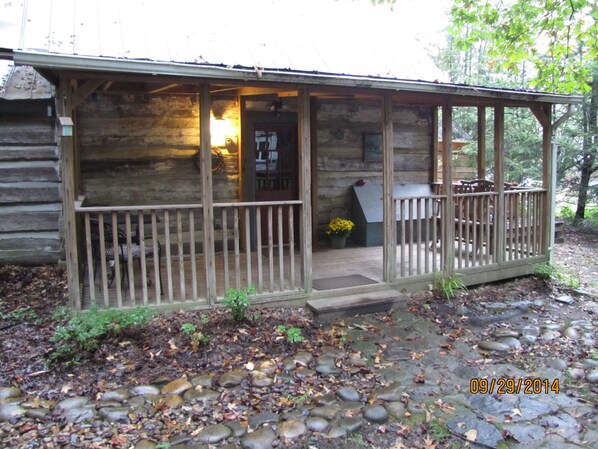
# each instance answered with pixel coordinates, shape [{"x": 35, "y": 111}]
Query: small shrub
[
  {"x": 238, "y": 301},
  {"x": 188, "y": 328},
  {"x": 293, "y": 333},
  {"x": 197, "y": 338},
  {"x": 204, "y": 318},
  {"x": 447, "y": 285},
  {"x": 84, "y": 331},
  {"x": 21, "y": 314}
]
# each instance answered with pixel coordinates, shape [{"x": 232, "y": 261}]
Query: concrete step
[{"x": 329, "y": 309}]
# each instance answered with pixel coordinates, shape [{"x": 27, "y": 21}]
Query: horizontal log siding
[
  {"x": 30, "y": 198},
  {"x": 138, "y": 149},
  {"x": 340, "y": 128}
]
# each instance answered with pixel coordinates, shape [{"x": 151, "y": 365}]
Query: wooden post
[
  {"x": 314, "y": 168},
  {"x": 305, "y": 188},
  {"x": 548, "y": 173},
  {"x": 434, "y": 131},
  {"x": 389, "y": 213},
  {"x": 481, "y": 142},
  {"x": 69, "y": 194},
  {"x": 499, "y": 183},
  {"x": 448, "y": 234},
  {"x": 206, "y": 193}
]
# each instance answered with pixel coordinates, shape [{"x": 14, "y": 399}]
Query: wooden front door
[{"x": 275, "y": 174}]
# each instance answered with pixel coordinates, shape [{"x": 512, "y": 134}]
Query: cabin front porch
[{"x": 153, "y": 259}]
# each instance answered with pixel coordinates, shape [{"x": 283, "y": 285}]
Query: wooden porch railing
[
  {"x": 421, "y": 224},
  {"x": 154, "y": 255}
]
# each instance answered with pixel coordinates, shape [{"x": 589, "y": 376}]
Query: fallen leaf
[
  {"x": 429, "y": 443},
  {"x": 471, "y": 434},
  {"x": 516, "y": 412}
]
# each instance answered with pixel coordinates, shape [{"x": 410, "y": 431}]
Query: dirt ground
[{"x": 32, "y": 302}]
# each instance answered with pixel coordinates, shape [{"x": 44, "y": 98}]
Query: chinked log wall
[
  {"x": 30, "y": 198},
  {"x": 340, "y": 161}
]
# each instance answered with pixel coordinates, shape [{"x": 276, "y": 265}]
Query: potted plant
[{"x": 338, "y": 230}]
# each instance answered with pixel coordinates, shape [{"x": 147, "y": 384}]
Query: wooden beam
[
  {"x": 481, "y": 142},
  {"x": 207, "y": 198},
  {"x": 64, "y": 108},
  {"x": 389, "y": 219},
  {"x": 540, "y": 114},
  {"x": 107, "y": 86},
  {"x": 499, "y": 182},
  {"x": 448, "y": 236},
  {"x": 434, "y": 131},
  {"x": 83, "y": 91},
  {"x": 305, "y": 188},
  {"x": 570, "y": 111},
  {"x": 313, "y": 114},
  {"x": 251, "y": 91},
  {"x": 548, "y": 183},
  {"x": 164, "y": 88}
]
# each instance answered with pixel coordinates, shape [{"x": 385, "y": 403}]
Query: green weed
[
  {"x": 557, "y": 274},
  {"x": 447, "y": 285},
  {"x": 238, "y": 301},
  {"x": 21, "y": 314},
  {"x": 293, "y": 333}
]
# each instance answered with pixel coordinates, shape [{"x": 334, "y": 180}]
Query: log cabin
[{"x": 194, "y": 161}]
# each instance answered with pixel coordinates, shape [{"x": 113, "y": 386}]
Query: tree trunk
[{"x": 588, "y": 162}]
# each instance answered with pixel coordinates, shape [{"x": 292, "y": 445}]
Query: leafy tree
[{"x": 553, "y": 43}]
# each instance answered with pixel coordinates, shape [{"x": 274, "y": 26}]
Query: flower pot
[{"x": 338, "y": 241}]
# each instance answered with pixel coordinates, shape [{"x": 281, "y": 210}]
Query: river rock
[
  {"x": 505, "y": 332},
  {"x": 214, "y": 434},
  {"x": 178, "y": 386},
  {"x": 205, "y": 381},
  {"x": 144, "y": 390},
  {"x": 173, "y": 400},
  {"x": 79, "y": 414},
  {"x": 530, "y": 330},
  {"x": 70, "y": 403},
  {"x": 549, "y": 335},
  {"x": 9, "y": 392},
  {"x": 572, "y": 333},
  {"x": 395, "y": 408},
  {"x": 487, "y": 434},
  {"x": 203, "y": 395},
  {"x": 145, "y": 444},
  {"x": 337, "y": 432},
  {"x": 262, "y": 418},
  {"x": 268, "y": 367},
  {"x": 116, "y": 395},
  {"x": 292, "y": 429},
  {"x": 576, "y": 373},
  {"x": 115, "y": 414},
  {"x": 511, "y": 342},
  {"x": 375, "y": 413},
  {"x": 351, "y": 424},
  {"x": 348, "y": 394},
  {"x": 325, "y": 412},
  {"x": 231, "y": 379},
  {"x": 559, "y": 364},
  {"x": 493, "y": 346},
  {"x": 260, "y": 439},
  {"x": 389, "y": 393},
  {"x": 11, "y": 411},
  {"x": 527, "y": 339},
  {"x": 592, "y": 376},
  {"x": 303, "y": 358},
  {"x": 328, "y": 369},
  {"x": 317, "y": 424},
  {"x": 237, "y": 428},
  {"x": 260, "y": 379},
  {"x": 333, "y": 352}
]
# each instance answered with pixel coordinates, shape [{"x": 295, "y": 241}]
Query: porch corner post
[
  {"x": 305, "y": 188},
  {"x": 207, "y": 197},
  {"x": 499, "y": 183},
  {"x": 548, "y": 183},
  {"x": 481, "y": 142},
  {"x": 389, "y": 208},
  {"x": 69, "y": 195},
  {"x": 448, "y": 234}
]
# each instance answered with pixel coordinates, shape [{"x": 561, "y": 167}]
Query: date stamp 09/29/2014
[{"x": 528, "y": 385}]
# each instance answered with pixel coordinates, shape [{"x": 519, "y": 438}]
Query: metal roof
[
  {"x": 23, "y": 83},
  {"x": 325, "y": 42}
]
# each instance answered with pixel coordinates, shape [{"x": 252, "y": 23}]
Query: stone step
[{"x": 328, "y": 309}]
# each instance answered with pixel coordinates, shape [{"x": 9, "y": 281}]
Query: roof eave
[{"x": 55, "y": 61}]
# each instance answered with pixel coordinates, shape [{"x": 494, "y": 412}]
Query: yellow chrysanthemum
[{"x": 339, "y": 226}]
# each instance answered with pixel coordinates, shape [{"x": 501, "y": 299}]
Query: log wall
[
  {"x": 340, "y": 128},
  {"x": 139, "y": 148},
  {"x": 30, "y": 198}
]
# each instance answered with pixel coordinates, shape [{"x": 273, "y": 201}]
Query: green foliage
[
  {"x": 163, "y": 445},
  {"x": 438, "y": 430},
  {"x": 84, "y": 331},
  {"x": 293, "y": 333},
  {"x": 557, "y": 274},
  {"x": 197, "y": 338},
  {"x": 204, "y": 318},
  {"x": 238, "y": 301},
  {"x": 188, "y": 328},
  {"x": 21, "y": 314},
  {"x": 447, "y": 285},
  {"x": 566, "y": 213}
]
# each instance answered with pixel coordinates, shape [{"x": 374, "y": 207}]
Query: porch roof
[{"x": 316, "y": 43}]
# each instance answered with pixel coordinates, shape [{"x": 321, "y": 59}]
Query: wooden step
[{"x": 349, "y": 306}]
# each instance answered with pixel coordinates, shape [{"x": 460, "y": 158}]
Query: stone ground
[{"x": 416, "y": 377}]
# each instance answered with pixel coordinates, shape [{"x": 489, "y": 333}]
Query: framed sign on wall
[{"x": 372, "y": 146}]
